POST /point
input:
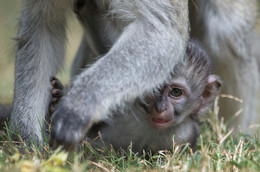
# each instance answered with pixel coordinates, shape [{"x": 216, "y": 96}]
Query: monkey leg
[
  {"x": 40, "y": 54},
  {"x": 56, "y": 94},
  {"x": 86, "y": 55},
  {"x": 229, "y": 37},
  {"x": 241, "y": 79}
]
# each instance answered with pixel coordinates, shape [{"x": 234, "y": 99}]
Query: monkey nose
[{"x": 161, "y": 104}]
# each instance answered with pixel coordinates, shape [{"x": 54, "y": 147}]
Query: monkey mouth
[
  {"x": 160, "y": 120},
  {"x": 161, "y": 123}
]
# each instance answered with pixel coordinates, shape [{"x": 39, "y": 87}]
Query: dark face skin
[
  {"x": 177, "y": 100},
  {"x": 165, "y": 108}
]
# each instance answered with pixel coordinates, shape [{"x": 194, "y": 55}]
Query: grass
[{"x": 217, "y": 150}]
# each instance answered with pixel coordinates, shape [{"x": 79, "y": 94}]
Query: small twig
[
  {"x": 226, "y": 136},
  {"x": 231, "y": 97},
  {"x": 100, "y": 166}
]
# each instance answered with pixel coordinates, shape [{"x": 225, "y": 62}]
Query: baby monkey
[{"x": 168, "y": 113}]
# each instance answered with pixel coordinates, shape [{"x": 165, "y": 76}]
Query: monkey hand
[{"x": 68, "y": 128}]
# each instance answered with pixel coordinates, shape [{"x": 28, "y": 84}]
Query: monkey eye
[{"x": 176, "y": 92}]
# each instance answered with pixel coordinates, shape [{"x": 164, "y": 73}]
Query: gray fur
[
  {"x": 226, "y": 28},
  {"x": 124, "y": 68},
  {"x": 133, "y": 125},
  {"x": 40, "y": 54},
  {"x": 255, "y": 48},
  {"x": 119, "y": 76}
]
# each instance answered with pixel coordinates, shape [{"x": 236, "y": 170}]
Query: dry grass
[{"x": 217, "y": 150}]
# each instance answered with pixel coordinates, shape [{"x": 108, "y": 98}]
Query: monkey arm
[
  {"x": 40, "y": 54},
  {"x": 141, "y": 59}
]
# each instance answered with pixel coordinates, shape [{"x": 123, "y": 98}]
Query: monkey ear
[{"x": 210, "y": 92}]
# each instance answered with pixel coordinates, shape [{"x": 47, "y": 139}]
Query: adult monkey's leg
[
  {"x": 227, "y": 29},
  {"x": 40, "y": 54}
]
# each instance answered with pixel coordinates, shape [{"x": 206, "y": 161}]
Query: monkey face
[
  {"x": 177, "y": 100},
  {"x": 166, "y": 108}
]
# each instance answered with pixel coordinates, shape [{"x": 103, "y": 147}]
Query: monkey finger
[
  {"x": 57, "y": 93},
  {"x": 54, "y": 100},
  {"x": 51, "y": 109},
  {"x": 53, "y": 78},
  {"x": 56, "y": 83}
]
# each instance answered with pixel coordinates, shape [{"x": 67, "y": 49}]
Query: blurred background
[{"x": 9, "y": 12}]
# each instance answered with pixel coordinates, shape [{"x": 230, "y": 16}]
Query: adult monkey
[
  {"x": 226, "y": 28},
  {"x": 143, "y": 33},
  {"x": 141, "y": 38}
]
